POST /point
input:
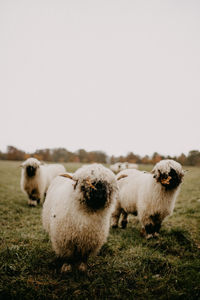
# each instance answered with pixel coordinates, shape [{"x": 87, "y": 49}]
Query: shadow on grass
[
  {"x": 177, "y": 242},
  {"x": 114, "y": 274}
]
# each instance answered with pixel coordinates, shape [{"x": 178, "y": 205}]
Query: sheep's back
[
  {"x": 131, "y": 188},
  {"x": 49, "y": 172}
]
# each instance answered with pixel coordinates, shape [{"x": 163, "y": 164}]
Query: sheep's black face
[
  {"x": 31, "y": 171},
  {"x": 95, "y": 194},
  {"x": 170, "y": 180}
]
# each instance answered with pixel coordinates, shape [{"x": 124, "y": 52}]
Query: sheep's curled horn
[
  {"x": 122, "y": 176},
  {"x": 67, "y": 176},
  {"x": 87, "y": 181},
  {"x": 90, "y": 184}
]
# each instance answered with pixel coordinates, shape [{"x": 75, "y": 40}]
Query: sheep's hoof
[
  {"x": 156, "y": 234},
  {"x": 149, "y": 236},
  {"x": 32, "y": 203},
  {"x": 82, "y": 267},
  {"x": 66, "y": 268}
]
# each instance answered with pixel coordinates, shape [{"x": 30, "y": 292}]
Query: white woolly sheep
[
  {"x": 151, "y": 196},
  {"x": 117, "y": 167},
  {"x": 77, "y": 213},
  {"x": 36, "y": 178},
  {"x": 132, "y": 166}
]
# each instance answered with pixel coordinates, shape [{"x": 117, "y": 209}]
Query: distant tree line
[
  {"x": 83, "y": 156},
  {"x": 55, "y": 155},
  {"x": 192, "y": 159}
]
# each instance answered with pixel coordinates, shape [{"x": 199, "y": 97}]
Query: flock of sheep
[{"x": 79, "y": 208}]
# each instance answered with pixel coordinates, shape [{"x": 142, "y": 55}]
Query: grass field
[{"x": 128, "y": 266}]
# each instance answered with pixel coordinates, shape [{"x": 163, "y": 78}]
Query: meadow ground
[{"x": 128, "y": 266}]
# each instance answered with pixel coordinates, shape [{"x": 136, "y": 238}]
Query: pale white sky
[{"x": 111, "y": 75}]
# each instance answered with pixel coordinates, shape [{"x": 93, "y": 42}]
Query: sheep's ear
[
  {"x": 122, "y": 176},
  {"x": 67, "y": 176},
  {"x": 154, "y": 174}
]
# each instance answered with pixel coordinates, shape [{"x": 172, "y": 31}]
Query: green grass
[{"x": 128, "y": 266}]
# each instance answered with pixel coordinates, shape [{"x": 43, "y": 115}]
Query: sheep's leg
[
  {"x": 66, "y": 268},
  {"x": 157, "y": 220},
  {"x": 34, "y": 197},
  {"x": 74, "y": 257},
  {"x": 152, "y": 225},
  {"x": 81, "y": 259},
  {"x": 44, "y": 197},
  {"x": 124, "y": 219},
  {"x": 147, "y": 225},
  {"x": 115, "y": 216},
  {"x": 157, "y": 229},
  {"x": 149, "y": 230},
  {"x": 68, "y": 257}
]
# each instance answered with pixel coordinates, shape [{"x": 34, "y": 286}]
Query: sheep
[
  {"x": 36, "y": 178},
  {"x": 76, "y": 214},
  {"x": 132, "y": 166},
  {"x": 117, "y": 167},
  {"x": 151, "y": 196}
]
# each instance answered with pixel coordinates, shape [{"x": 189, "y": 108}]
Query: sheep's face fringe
[
  {"x": 96, "y": 194},
  {"x": 30, "y": 167},
  {"x": 170, "y": 180}
]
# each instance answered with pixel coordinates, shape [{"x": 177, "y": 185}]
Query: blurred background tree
[{"x": 83, "y": 156}]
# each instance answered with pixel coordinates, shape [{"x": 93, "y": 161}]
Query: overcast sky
[{"x": 111, "y": 75}]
